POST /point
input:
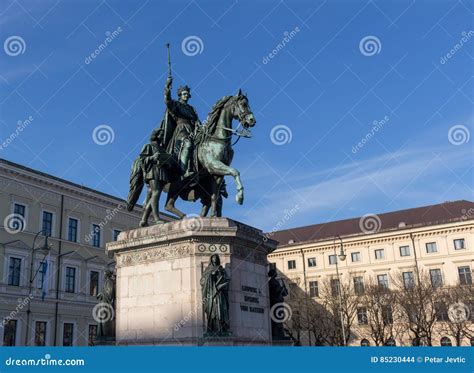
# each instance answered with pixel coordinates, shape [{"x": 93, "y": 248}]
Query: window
[
  {"x": 445, "y": 341},
  {"x": 380, "y": 254},
  {"x": 355, "y": 257},
  {"x": 404, "y": 250},
  {"x": 68, "y": 334},
  {"x": 390, "y": 342},
  {"x": 441, "y": 311},
  {"x": 408, "y": 280},
  {"x": 272, "y": 266},
  {"x": 72, "y": 229},
  {"x": 95, "y": 235},
  {"x": 387, "y": 315},
  {"x": 334, "y": 286},
  {"x": 94, "y": 283},
  {"x": 313, "y": 289},
  {"x": 311, "y": 262},
  {"x": 40, "y": 275},
  {"x": 459, "y": 244},
  {"x": 383, "y": 281},
  {"x": 358, "y": 285},
  {"x": 9, "y": 333},
  {"x": 364, "y": 343},
  {"x": 291, "y": 264},
  {"x": 70, "y": 279},
  {"x": 14, "y": 272},
  {"x": 19, "y": 224},
  {"x": 436, "y": 278},
  {"x": 465, "y": 276},
  {"x": 362, "y": 315},
  {"x": 116, "y": 232},
  {"x": 431, "y": 247},
  {"x": 92, "y": 334},
  {"x": 40, "y": 333},
  {"x": 332, "y": 259},
  {"x": 47, "y": 226}
]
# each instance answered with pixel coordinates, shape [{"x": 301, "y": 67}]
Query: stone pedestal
[{"x": 158, "y": 282}]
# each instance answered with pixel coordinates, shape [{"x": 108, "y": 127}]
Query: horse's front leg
[{"x": 220, "y": 169}]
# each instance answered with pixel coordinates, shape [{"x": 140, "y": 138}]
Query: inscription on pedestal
[{"x": 251, "y": 299}]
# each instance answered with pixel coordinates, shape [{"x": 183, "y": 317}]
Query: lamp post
[
  {"x": 45, "y": 249},
  {"x": 341, "y": 256}
]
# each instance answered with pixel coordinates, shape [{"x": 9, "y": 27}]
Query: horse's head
[{"x": 242, "y": 110}]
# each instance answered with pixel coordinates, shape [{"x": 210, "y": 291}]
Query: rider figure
[{"x": 187, "y": 121}]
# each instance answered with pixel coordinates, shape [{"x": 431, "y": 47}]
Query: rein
[{"x": 242, "y": 133}]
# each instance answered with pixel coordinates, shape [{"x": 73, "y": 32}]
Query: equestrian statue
[{"x": 188, "y": 159}]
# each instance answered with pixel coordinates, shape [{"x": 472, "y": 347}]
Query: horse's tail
[{"x": 136, "y": 184}]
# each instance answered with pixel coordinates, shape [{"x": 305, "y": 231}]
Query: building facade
[
  {"x": 47, "y": 296},
  {"x": 436, "y": 241}
]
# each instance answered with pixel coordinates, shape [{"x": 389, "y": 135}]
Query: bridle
[{"x": 244, "y": 132}]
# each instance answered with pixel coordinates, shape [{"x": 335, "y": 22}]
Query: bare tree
[
  {"x": 340, "y": 303},
  {"x": 457, "y": 298},
  {"x": 384, "y": 319},
  {"x": 418, "y": 300}
]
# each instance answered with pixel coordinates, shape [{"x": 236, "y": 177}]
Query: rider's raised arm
[{"x": 168, "y": 99}]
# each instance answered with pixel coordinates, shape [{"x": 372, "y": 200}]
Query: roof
[
  {"x": 58, "y": 179},
  {"x": 442, "y": 213}
]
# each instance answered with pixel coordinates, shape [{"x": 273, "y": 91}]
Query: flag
[{"x": 45, "y": 279}]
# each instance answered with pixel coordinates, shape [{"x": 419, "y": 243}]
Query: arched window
[
  {"x": 472, "y": 341},
  {"x": 390, "y": 342},
  {"x": 364, "y": 343},
  {"x": 415, "y": 342},
  {"x": 445, "y": 341}
]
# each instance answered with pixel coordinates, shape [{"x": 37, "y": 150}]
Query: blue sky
[{"x": 320, "y": 93}]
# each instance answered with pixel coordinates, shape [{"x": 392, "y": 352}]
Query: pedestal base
[{"x": 158, "y": 282}]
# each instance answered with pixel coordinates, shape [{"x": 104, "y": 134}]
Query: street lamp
[
  {"x": 342, "y": 256},
  {"x": 45, "y": 249}
]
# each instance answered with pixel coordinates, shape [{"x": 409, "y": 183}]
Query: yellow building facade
[{"x": 436, "y": 241}]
